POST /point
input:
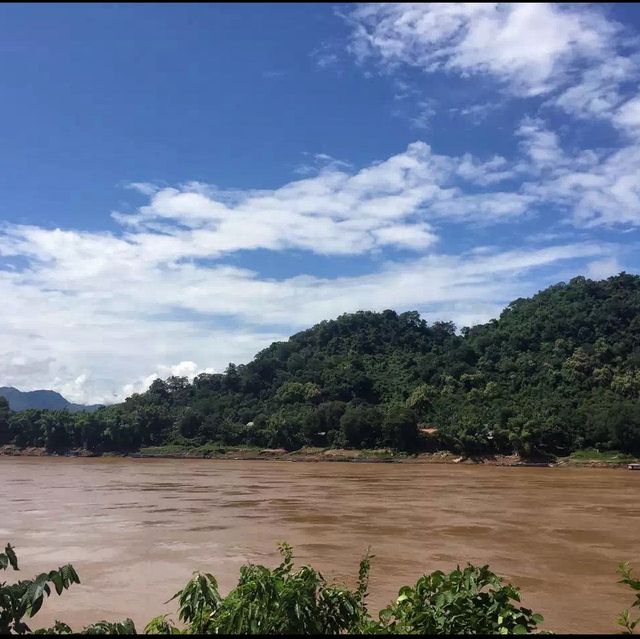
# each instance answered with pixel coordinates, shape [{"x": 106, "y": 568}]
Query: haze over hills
[{"x": 42, "y": 399}]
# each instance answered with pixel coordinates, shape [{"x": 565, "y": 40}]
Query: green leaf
[
  {"x": 11, "y": 556},
  {"x": 57, "y": 580}
]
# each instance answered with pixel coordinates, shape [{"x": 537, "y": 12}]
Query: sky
[{"x": 183, "y": 184}]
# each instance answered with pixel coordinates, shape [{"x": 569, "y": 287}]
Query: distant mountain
[{"x": 48, "y": 399}]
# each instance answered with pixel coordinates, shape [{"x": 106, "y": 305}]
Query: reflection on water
[{"x": 135, "y": 529}]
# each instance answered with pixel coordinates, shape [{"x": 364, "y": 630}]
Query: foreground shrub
[
  {"x": 468, "y": 601},
  {"x": 625, "y": 620},
  {"x": 471, "y": 600},
  {"x": 25, "y": 598},
  {"x": 279, "y": 601}
]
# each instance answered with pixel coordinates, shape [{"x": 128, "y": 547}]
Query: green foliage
[
  {"x": 625, "y": 619},
  {"x": 5, "y": 414},
  {"x": 161, "y": 626},
  {"x": 25, "y": 598},
  {"x": 292, "y": 392},
  {"x": 59, "y": 628},
  {"x": 288, "y": 601},
  {"x": 609, "y": 456},
  {"x": 400, "y": 429},
  {"x": 125, "y": 627},
  {"x": 472, "y": 600},
  {"x": 360, "y": 426},
  {"x": 423, "y": 398},
  {"x": 278, "y": 601},
  {"x": 556, "y": 373},
  {"x": 198, "y": 602},
  {"x": 468, "y": 601}
]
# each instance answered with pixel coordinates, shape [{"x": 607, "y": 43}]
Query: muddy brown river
[{"x": 135, "y": 529}]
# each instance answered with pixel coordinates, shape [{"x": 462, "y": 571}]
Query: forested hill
[{"x": 556, "y": 372}]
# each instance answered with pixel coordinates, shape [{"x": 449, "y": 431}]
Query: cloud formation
[
  {"x": 530, "y": 47},
  {"x": 118, "y": 320},
  {"x": 575, "y": 56},
  {"x": 98, "y": 315},
  {"x": 333, "y": 212}
]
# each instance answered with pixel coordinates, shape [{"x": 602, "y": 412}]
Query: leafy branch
[{"x": 625, "y": 620}]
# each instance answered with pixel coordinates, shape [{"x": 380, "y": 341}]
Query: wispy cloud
[
  {"x": 596, "y": 187},
  {"x": 108, "y": 326},
  {"x": 475, "y": 113},
  {"x": 333, "y": 212},
  {"x": 110, "y": 309},
  {"x": 529, "y": 48},
  {"x": 326, "y": 56},
  {"x": 574, "y": 56}
]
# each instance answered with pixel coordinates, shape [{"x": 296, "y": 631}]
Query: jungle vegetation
[
  {"x": 555, "y": 373},
  {"x": 470, "y": 600}
]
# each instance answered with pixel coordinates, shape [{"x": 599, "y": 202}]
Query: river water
[{"x": 135, "y": 529}]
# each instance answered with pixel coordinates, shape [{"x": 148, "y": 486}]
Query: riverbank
[{"x": 589, "y": 459}]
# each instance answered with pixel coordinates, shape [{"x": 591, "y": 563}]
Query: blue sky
[{"x": 183, "y": 184}]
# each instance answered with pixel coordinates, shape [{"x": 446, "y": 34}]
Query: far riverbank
[{"x": 588, "y": 459}]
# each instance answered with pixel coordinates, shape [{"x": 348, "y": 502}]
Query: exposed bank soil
[
  {"x": 35, "y": 451},
  {"x": 309, "y": 454}
]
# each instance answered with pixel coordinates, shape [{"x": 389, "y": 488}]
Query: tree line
[{"x": 555, "y": 373}]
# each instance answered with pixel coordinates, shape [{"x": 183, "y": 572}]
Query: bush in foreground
[
  {"x": 470, "y": 600},
  {"x": 625, "y": 620}
]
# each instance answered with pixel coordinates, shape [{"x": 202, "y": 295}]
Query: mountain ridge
[{"x": 43, "y": 399}]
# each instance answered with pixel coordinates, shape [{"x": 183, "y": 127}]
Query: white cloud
[
  {"x": 541, "y": 146},
  {"x": 597, "y": 92},
  {"x": 597, "y": 189},
  {"x": 101, "y": 325},
  {"x": 319, "y": 162},
  {"x": 334, "y": 212},
  {"x": 485, "y": 208},
  {"x": 601, "y": 269},
  {"x": 324, "y": 56},
  {"x": 578, "y": 59},
  {"x": 73, "y": 389},
  {"x": 628, "y": 115},
  {"x": 146, "y": 188},
  {"x": 99, "y": 315},
  {"x": 475, "y": 113},
  {"x": 411, "y": 236},
  {"x": 529, "y": 47},
  {"x": 331, "y": 213},
  {"x": 485, "y": 173},
  {"x": 426, "y": 111}
]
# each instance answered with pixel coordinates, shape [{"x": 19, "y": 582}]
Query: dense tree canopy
[{"x": 554, "y": 373}]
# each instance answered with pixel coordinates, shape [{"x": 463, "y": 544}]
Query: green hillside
[{"x": 555, "y": 373}]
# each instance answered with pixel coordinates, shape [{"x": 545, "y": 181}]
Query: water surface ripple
[{"x": 135, "y": 529}]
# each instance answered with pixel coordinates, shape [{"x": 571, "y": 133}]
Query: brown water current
[{"x": 135, "y": 529}]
